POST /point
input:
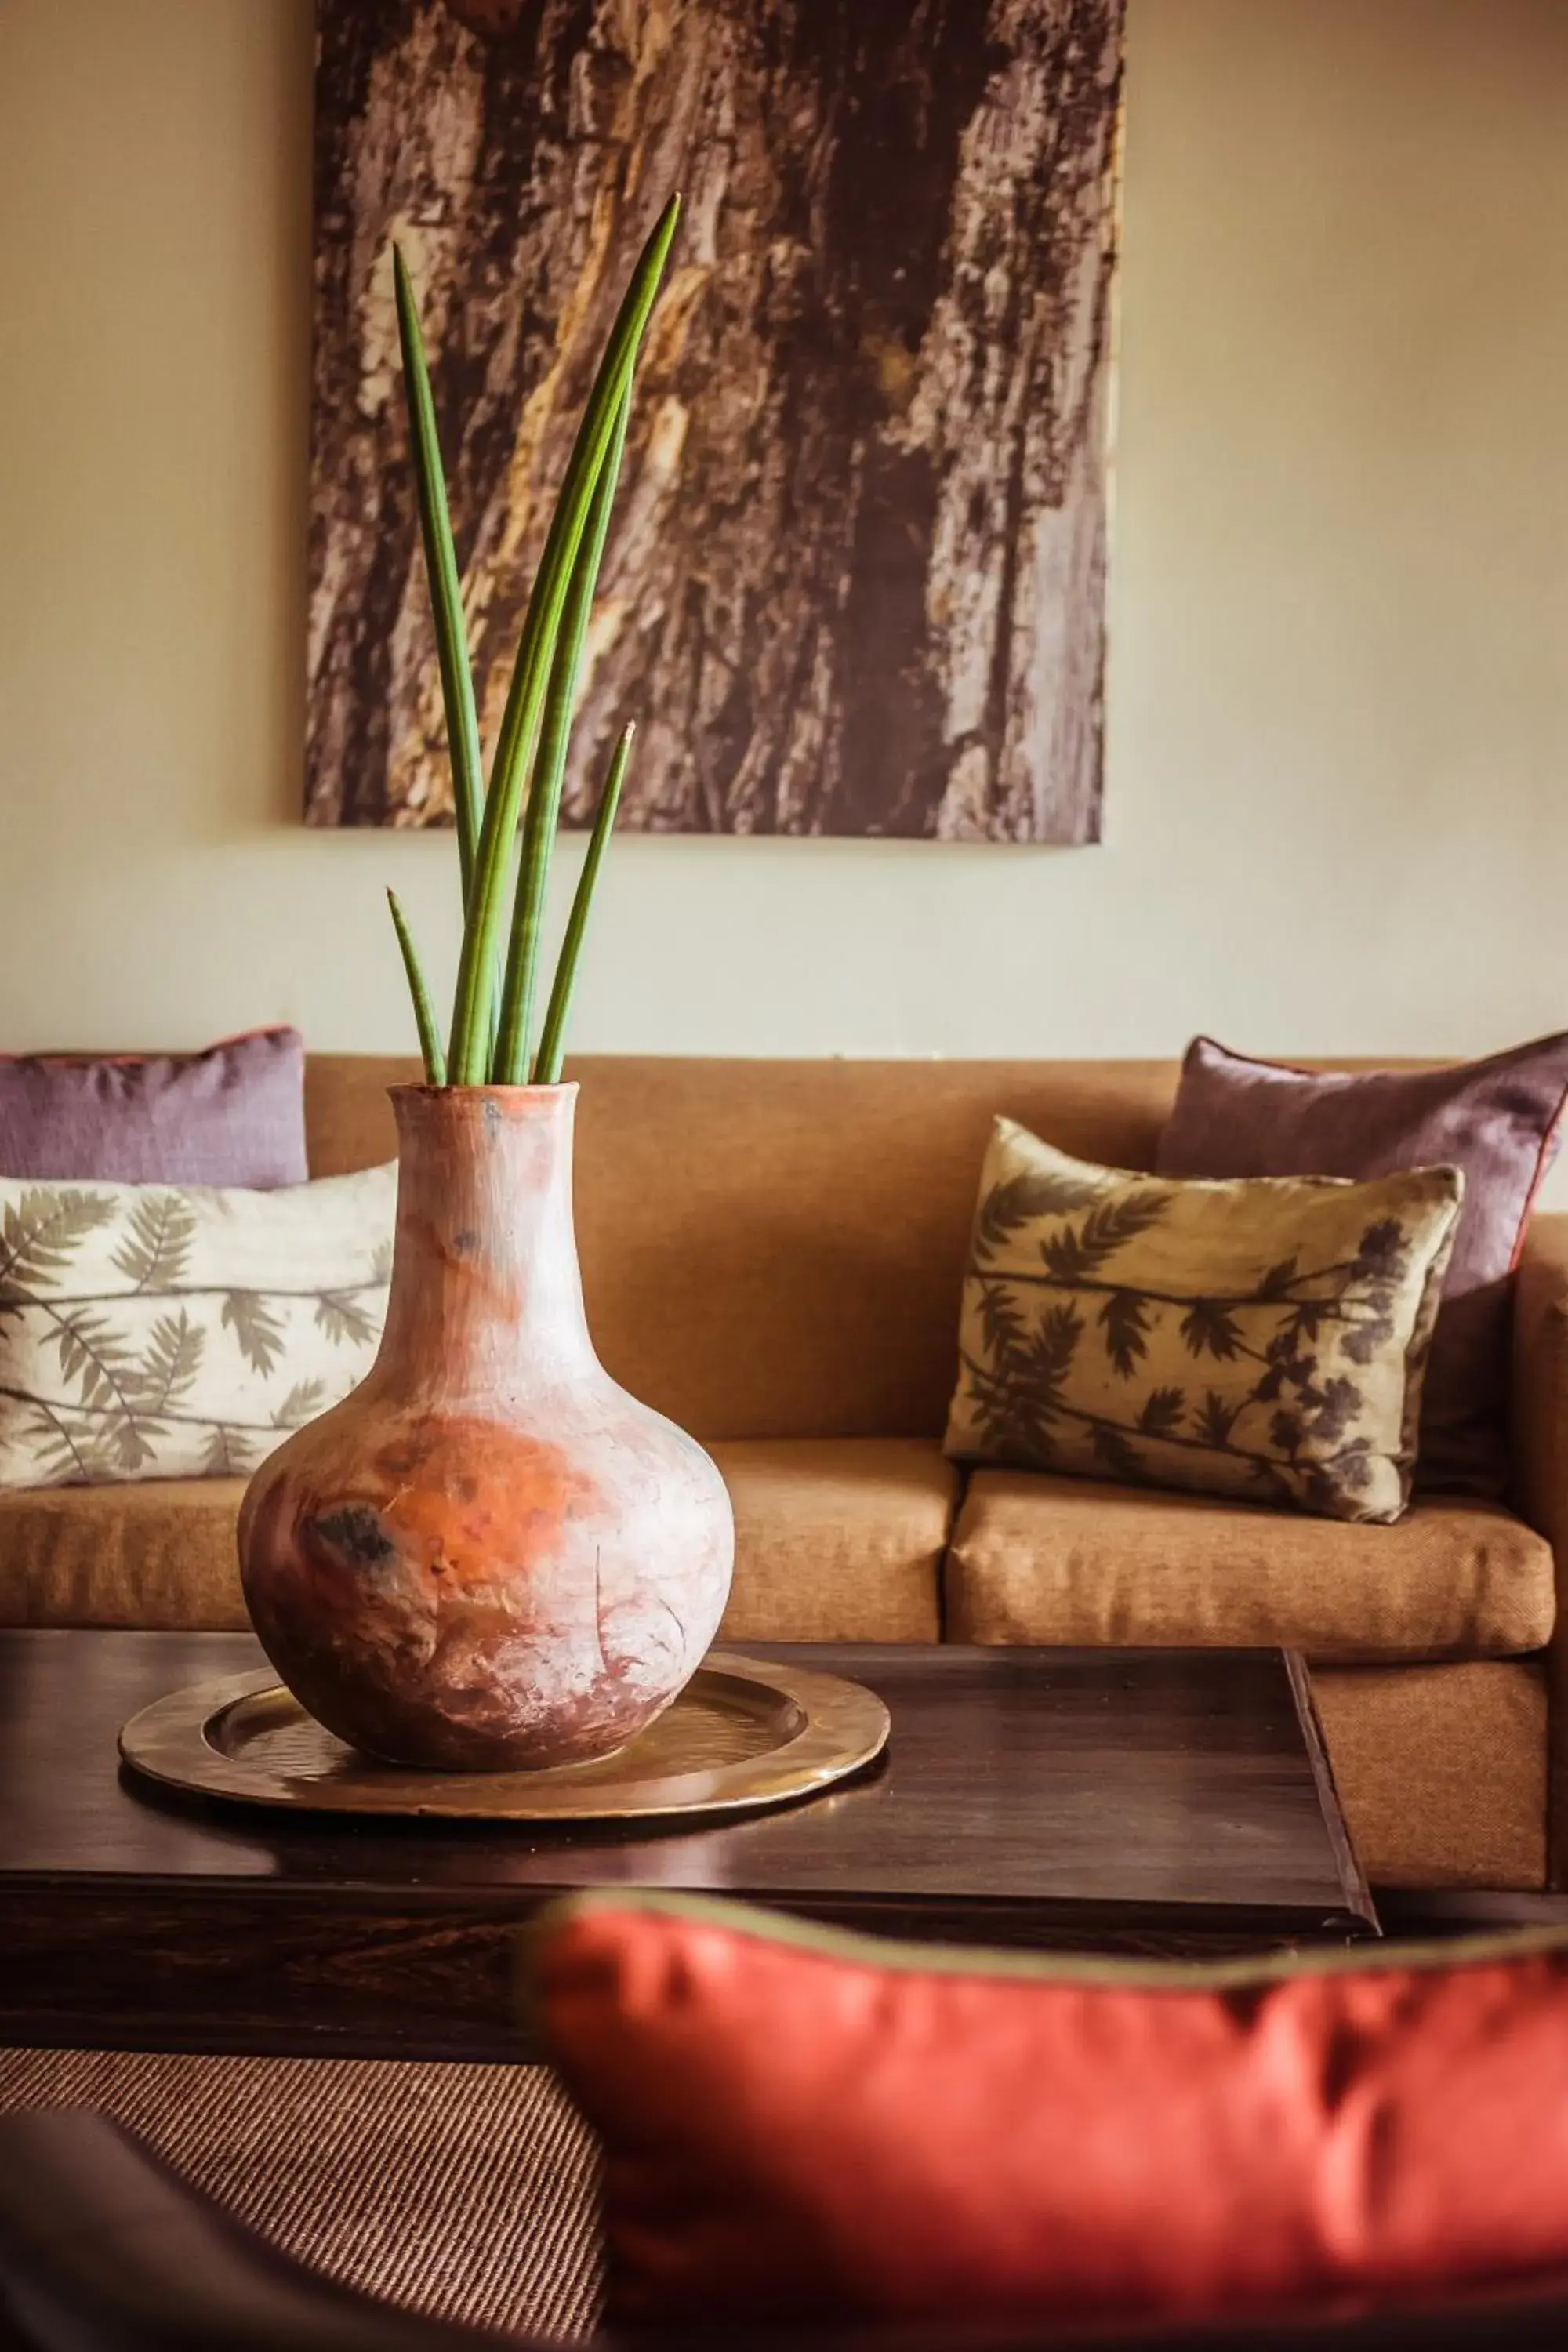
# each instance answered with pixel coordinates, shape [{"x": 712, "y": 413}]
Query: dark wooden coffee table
[{"x": 1156, "y": 1801}]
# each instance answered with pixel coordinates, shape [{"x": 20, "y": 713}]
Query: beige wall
[{"x": 1338, "y": 697}]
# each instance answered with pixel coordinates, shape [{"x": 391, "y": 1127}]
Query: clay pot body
[{"x": 490, "y": 1556}]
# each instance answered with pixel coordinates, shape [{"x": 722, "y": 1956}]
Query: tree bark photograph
[{"x": 855, "y": 578}]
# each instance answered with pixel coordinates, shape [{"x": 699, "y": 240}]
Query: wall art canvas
[{"x": 856, "y": 583}]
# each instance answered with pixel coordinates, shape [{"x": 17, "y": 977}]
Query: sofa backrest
[{"x": 775, "y": 1249}]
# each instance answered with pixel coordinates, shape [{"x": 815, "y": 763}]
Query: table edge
[{"x": 1353, "y": 1878}]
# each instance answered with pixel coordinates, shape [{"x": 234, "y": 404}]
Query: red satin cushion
[{"x": 807, "y": 2126}]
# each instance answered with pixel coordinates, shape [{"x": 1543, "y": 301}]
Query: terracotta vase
[{"x": 490, "y": 1556}]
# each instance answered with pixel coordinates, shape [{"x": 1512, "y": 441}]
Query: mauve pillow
[
  {"x": 1496, "y": 1119},
  {"x": 232, "y": 1115},
  {"x": 819, "y": 2127}
]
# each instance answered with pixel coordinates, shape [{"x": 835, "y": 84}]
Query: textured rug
[{"x": 467, "y": 2192}]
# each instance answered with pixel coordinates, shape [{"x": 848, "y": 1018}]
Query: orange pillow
[{"x": 808, "y": 2124}]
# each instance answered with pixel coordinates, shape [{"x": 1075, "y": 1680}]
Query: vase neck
[{"x": 486, "y": 1289}]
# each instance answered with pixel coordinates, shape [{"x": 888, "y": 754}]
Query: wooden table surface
[{"x": 1159, "y": 1800}]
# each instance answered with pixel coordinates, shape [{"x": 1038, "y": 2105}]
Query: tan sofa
[{"x": 772, "y": 1254}]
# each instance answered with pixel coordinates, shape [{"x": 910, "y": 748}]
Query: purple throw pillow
[
  {"x": 233, "y": 1115},
  {"x": 1496, "y": 1120}
]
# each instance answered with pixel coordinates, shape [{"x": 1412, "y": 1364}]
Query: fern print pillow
[
  {"x": 1263, "y": 1339},
  {"x": 158, "y": 1331}
]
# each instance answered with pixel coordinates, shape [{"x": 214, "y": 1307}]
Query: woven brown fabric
[
  {"x": 160, "y": 1554},
  {"x": 1039, "y": 1558},
  {"x": 465, "y": 2193},
  {"x": 1539, "y": 1459},
  {"x": 1441, "y": 1770},
  {"x": 775, "y": 1248},
  {"x": 836, "y": 1539}
]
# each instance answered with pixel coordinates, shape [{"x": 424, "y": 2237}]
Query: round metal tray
[{"x": 743, "y": 1734}]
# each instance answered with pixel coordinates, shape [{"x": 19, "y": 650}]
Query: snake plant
[{"x": 492, "y": 1016}]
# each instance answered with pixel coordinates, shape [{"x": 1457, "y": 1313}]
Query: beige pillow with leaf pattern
[
  {"x": 1263, "y": 1339},
  {"x": 181, "y": 1331}
]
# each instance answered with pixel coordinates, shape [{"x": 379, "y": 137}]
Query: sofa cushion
[
  {"x": 182, "y": 1331},
  {"x": 836, "y": 1539},
  {"x": 1064, "y": 1561},
  {"x": 1264, "y": 1340},
  {"x": 232, "y": 1115},
  {"x": 1441, "y": 1770},
  {"x": 160, "y": 1554},
  {"x": 1495, "y": 1120}
]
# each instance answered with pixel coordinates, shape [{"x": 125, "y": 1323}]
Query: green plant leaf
[
  {"x": 542, "y": 817},
  {"x": 435, "y": 1060},
  {"x": 553, "y": 1038},
  {"x": 446, "y": 591},
  {"x": 467, "y": 1057}
]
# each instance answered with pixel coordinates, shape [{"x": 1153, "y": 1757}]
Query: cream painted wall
[{"x": 1339, "y": 696}]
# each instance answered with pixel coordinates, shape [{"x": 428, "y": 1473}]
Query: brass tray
[{"x": 741, "y": 1734}]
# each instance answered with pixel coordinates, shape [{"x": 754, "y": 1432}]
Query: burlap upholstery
[
  {"x": 1441, "y": 1770},
  {"x": 1539, "y": 1456},
  {"x": 839, "y": 1540},
  {"x": 348, "y": 1118},
  {"x": 467, "y": 2192},
  {"x": 774, "y": 1249},
  {"x": 160, "y": 1554},
  {"x": 1036, "y": 1558}
]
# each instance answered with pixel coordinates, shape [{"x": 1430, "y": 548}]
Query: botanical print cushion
[
  {"x": 1263, "y": 1339},
  {"x": 155, "y": 1331}
]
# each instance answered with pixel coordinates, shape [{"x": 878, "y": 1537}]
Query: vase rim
[
  {"x": 501, "y": 1105},
  {"x": 473, "y": 1093}
]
